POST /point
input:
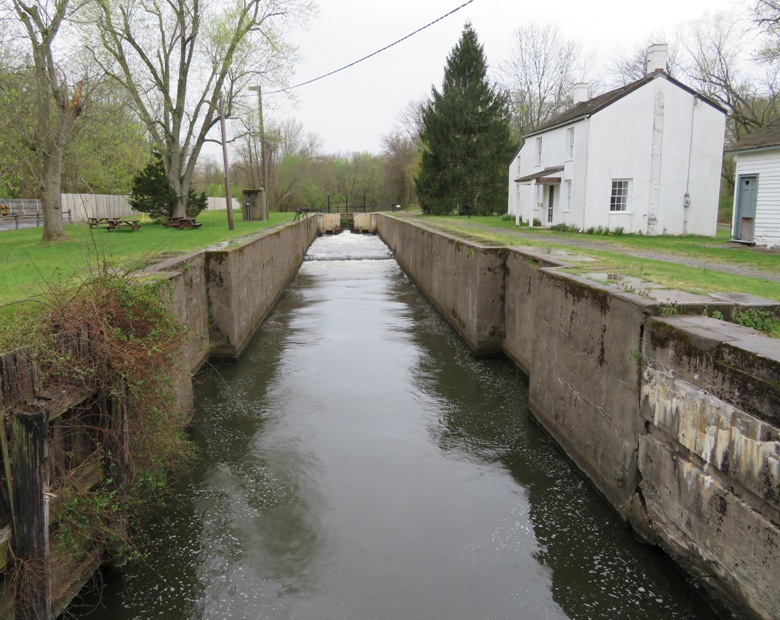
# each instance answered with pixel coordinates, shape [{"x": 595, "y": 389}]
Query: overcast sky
[{"x": 352, "y": 110}]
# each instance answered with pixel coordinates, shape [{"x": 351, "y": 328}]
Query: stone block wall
[{"x": 710, "y": 459}]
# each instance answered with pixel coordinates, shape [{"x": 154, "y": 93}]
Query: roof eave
[
  {"x": 570, "y": 121},
  {"x": 753, "y": 149}
]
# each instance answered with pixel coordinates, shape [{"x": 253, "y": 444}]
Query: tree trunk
[{"x": 51, "y": 196}]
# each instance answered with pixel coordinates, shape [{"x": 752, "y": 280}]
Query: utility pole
[
  {"x": 228, "y": 197},
  {"x": 263, "y": 167}
]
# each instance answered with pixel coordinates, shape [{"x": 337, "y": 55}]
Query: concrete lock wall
[
  {"x": 329, "y": 222},
  {"x": 581, "y": 342},
  {"x": 364, "y": 222},
  {"x": 464, "y": 281},
  {"x": 675, "y": 421},
  {"x": 245, "y": 282}
]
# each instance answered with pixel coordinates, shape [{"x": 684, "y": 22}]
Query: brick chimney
[
  {"x": 656, "y": 58},
  {"x": 580, "y": 92}
]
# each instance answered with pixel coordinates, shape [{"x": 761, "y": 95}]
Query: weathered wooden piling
[{"x": 30, "y": 486}]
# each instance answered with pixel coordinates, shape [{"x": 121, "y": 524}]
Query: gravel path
[{"x": 670, "y": 257}]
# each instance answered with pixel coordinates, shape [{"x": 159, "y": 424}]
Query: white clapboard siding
[{"x": 766, "y": 165}]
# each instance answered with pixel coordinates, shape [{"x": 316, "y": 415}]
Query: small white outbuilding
[
  {"x": 645, "y": 158},
  {"x": 757, "y": 187}
]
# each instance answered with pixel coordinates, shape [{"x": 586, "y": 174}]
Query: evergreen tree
[
  {"x": 152, "y": 193},
  {"x": 467, "y": 143}
]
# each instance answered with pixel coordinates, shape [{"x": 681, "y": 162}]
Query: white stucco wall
[
  {"x": 618, "y": 143},
  {"x": 766, "y": 165},
  {"x": 692, "y": 129},
  {"x": 620, "y": 148},
  {"x": 555, "y": 152}
]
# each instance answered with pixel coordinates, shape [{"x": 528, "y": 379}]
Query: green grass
[
  {"x": 493, "y": 230},
  {"x": 27, "y": 265}
]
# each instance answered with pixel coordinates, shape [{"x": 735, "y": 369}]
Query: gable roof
[
  {"x": 762, "y": 138},
  {"x": 598, "y": 103}
]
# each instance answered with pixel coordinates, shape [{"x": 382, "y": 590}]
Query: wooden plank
[
  {"x": 62, "y": 400},
  {"x": 7, "y": 463},
  {"x": 29, "y": 446},
  {"x": 5, "y": 547},
  {"x": 69, "y": 577}
]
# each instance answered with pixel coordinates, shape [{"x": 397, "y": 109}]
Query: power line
[{"x": 379, "y": 51}]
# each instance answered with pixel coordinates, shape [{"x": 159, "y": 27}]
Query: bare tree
[
  {"x": 628, "y": 66},
  {"x": 766, "y": 14},
  {"x": 539, "y": 74},
  {"x": 57, "y": 103},
  {"x": 176, "y": 58},
  {"x": 401, "y": 162},
  {"x": 715, "y": 60},
  {"x": 410, "y": 119}
]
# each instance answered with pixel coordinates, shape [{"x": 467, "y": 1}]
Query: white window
[
  {"x": 570, "y": 142},
  {"x": 538, "y": 195},
  {"x": 618, "y": 200},
  {"x": 538, "y": 151},
  {"x": 568, "y": 195}
]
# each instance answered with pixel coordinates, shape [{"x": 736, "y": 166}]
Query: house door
[
  {"x": 744, "y": 221},
  {"x": 551, "y": 195}
]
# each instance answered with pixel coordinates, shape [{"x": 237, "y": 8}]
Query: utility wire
[{"x": 379, "y": 51}]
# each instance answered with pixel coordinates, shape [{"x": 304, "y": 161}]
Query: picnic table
[
  {"x": 112, "y": 223},
  {"x": 182, "y": 222}
]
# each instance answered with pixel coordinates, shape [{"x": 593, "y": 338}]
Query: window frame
[
  {"x": 539, "y": 151},
  {"x": 568, "y": 196},
  {"x": 622, "y": 197},
  {"x": 570, "y": 143}
]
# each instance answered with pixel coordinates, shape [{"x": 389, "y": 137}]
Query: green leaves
[{"x": 466, "y": 138}]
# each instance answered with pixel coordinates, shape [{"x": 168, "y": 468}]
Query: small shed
[
  {"x": 756, "y": 219},
  {"x": 254, "y": 206}
]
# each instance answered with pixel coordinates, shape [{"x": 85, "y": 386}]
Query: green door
[{"x": 744, "y": 222}]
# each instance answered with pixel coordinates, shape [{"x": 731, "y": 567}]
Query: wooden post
[
  {"x": 29, "y": 453},
  {"x": 119, "y": 469}
]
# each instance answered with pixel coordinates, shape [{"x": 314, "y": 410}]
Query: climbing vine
[{"x": 124, "y": 352}]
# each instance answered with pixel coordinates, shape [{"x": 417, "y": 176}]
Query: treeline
[
  {"x": 88, "y": 96},
  {"x": 300, "y": 174}
]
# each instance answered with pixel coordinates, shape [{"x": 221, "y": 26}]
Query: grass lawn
[
  {"x": 494, "y": 230},
  {"x": 26, "y": 264}
]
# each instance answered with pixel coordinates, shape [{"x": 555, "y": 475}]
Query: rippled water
[{"x": 359, "y": 463}]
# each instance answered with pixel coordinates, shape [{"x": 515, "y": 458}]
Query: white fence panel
[
  {"x": 83, "y": 206},
  {"x": 219, "y": 204}
]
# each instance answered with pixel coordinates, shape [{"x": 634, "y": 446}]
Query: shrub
[
  {"x": 565, "y": 228},
  {"x": 760, "y": 320}
]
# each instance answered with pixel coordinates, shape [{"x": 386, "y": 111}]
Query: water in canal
[{"x": 358, "y": 463}]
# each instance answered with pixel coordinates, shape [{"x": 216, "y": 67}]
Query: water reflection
[{"x": 359, "y": 463}]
